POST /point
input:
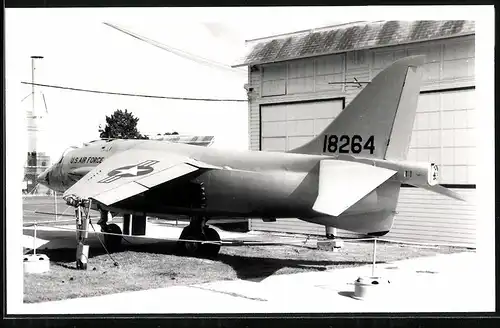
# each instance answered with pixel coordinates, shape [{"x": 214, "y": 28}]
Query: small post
[
  {"x": 374, "y": 256},
  {"x": 330, "y": 232},
  {"x": 34, "y": 239}
]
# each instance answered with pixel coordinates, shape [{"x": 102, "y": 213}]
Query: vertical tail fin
[{"x": 379, "y": 120}]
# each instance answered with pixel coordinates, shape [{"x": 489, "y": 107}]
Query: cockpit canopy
[
  {"x": 93, "y": 143},
  {"x": 98, "y": 142},
  {"x": 65, "y": 152}
]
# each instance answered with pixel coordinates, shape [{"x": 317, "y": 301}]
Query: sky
[{"x": 80, "y": 51}]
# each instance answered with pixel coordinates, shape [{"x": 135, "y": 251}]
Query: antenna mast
[{"x": 33, "y": 58}]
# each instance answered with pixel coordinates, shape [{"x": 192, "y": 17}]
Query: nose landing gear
[{"x": 82, "y": 224}]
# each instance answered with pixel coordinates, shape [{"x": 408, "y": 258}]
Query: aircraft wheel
[
  {"x": 80, "y": 265},
  {"x": 193, "y": 248},
  {"x": 211, "y": 250},
  {"x": 185, "y": 232},
  {"x": 184, "y": 246},
  {"x": 113, "y": 243}
]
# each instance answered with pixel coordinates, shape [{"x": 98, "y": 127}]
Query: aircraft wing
[
  {"x": 343, "y": 183},
  {"x": 132, "y": 172}
]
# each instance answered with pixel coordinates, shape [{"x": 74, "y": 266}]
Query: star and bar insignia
[{"x": 129, "y": 171}]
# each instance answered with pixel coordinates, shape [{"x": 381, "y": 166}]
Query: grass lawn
[{"x": 156, "y": 266}]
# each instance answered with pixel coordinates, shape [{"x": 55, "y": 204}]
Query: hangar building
[{"x": 295, "y": 90}]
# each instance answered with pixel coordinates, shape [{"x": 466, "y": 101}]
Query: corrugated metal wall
[
  {"x": 443, "y": 132},
  {"x": 288, "y": 126},
  {"x": 429, "y": 218}
]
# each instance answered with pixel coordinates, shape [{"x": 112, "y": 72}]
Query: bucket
[
  {"x": 37, "y": 263},
  {"x": 370, "y": 287}
]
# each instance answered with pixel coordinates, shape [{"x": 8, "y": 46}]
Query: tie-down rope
[{"x": 240, "y": 242}]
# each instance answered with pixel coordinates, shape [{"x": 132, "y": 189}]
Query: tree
[{"x": 121, "y": 124}]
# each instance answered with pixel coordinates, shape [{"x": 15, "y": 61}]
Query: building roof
[{"x": 356, "y": 36}]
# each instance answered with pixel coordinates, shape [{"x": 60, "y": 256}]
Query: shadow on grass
[
  {"x": 259, "y": 268},
  {"x": 252, "y": 268},
  {"x": 346, "y": 294}
]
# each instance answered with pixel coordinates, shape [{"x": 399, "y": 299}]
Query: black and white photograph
[{"x": 249, "y": 160}]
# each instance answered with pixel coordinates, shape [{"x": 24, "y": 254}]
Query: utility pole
[
  {"x": 33, "y": 58},
  {"x": 33, "y": 124}
]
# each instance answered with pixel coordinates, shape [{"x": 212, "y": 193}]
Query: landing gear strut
[
  {"x": 82, "y": 225},
  {"x": 82, "y": 250},
  {"x": 205, "y": 240}
]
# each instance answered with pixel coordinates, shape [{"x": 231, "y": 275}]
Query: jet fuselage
[{"x": 252, "y": 183}]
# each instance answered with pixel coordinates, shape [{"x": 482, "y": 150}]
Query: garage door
[
  {"x": 443, "y": 133},
  {"x": 288, "y": 126}
]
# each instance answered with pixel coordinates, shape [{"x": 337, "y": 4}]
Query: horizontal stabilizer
[
  {"x": 442, "y": 191},
  {"x": 342, "y": 184}
]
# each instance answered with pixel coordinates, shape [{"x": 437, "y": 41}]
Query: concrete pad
[{"x": 442, "y": 283}]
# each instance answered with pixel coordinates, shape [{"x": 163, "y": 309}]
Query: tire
[
  {"x": 80, "y": 265},
  {"x": 207, "y": 250},
  {"x": 193, "y": 248},
  {"x": 113, "y": 243},
  {"x": 185, "y": 247},
  {"x": 211, "y": 250}
]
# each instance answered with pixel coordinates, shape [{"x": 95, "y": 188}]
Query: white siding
[
  {"x": 422, "y": 217},
  {"x": 429, "y": 218},
  {"x": 254, "y": 78},
  {"x": 293, "y": 225},
  {"x": 444, "y": 130},
  {"x": 273, "y": 80}
]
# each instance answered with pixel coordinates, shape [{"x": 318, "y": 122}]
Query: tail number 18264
[{"x": 346, "y": 144}]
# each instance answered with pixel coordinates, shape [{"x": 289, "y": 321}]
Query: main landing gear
[
  {"x": 112, "y": 242},
  {"x": 205, "y": 240}
]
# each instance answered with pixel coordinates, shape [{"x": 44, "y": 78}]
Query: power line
[
  {"x": 178, "y": 52},
  {"x": 132, "y": 94}
]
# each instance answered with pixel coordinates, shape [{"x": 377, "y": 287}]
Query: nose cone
[{"x": 43, "y": 178}]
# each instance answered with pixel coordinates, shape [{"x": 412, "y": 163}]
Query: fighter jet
[{"x": 348, "y": 177}]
